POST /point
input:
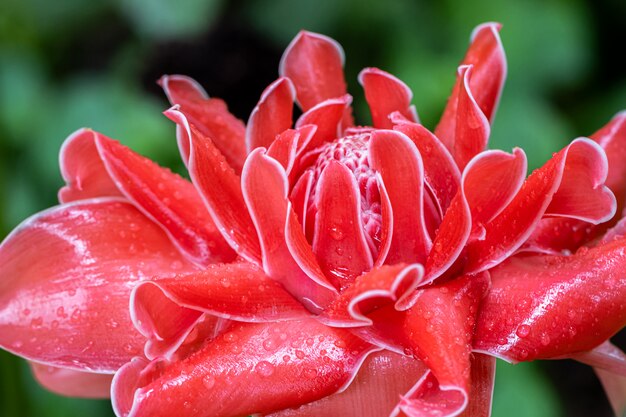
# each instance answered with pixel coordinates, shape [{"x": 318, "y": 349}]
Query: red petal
[
  {"x": 339, "y": 241},
  {"x": 265, "y": 192},
  {"x": 220, "y": 189},
  {"x": 489, "y": 183},
  {"x": 161, "y": 320},
  {"x": 233, "y": 291},
  {"x": 472, "y": 127},
  {"x": 386, "y": 94},
  {"x": 327, "y": 117},
  {"x": 397, "y": 159},
  {"x": 373, "y": 393},
  {"x": 440, "y": 325},
  {"x": 82, "y": 169},
  {"x": 486, "y": 55},
  {"x": 558, "y": 235},
  {"x": 168, "y": 199},
  {"x": 314, "y": 63},
  {"x": 272, "y": 115},
  {"x": 568, "y": 185},
  {"x": 300, "y": 195},
  {"x": 612, "y": 138},
  {"x": 386, "y": 215},
  {"x": 254, "y": 368},
  {"x": 554, "y": 305},
  {"x": 69, "y": 308},
  {"x": 440, "y": 171},
  {"x": 72, "y": 383},
  {"x": 284, "y": 148},
  {"x": 210, "y": 116},
  {"x": 372, "y": 290}
]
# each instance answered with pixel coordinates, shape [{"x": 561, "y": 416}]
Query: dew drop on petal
[
  {"x": 523, "y": 330},
  {"x": 265, "y": 368}
]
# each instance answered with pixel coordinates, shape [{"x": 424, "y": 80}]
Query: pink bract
[{"x": 316, "y": 267}]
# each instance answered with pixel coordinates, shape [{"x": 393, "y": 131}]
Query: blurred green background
[{"x": 70, "y": 63}]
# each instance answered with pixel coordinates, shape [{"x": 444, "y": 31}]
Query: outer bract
[{"x": 318, "y": 268}]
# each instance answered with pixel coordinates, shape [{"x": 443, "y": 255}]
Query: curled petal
[
  {"x": 284, "y": 149},
  {"x": 472, "y": 127},
  {"x": 486, "y": 56},
  {"x": 375, "y": 289},
  {"x": 210, "y": 116},
  {"x": 219, "y": 186},
  {"x": 254, "y": 368},
  {"x": 585, "y": 293},
  {"x": 72, "y": 383},
  {"x": 556, "y": 235},
  {"x": 300, "y": 195},
  {"x": 69, "y": 308},
  {"x": 612, "y": 138},
  {"x": 441, "y": 174},
  {"x": 272, "y": 115},
  {"x": 264, "y": 185},
  {"x": 314, "y": 63},
  {"x": 394, "y": 156},
  {"x": 489, "y": 183},
  {"x": 386, "y": 94},
  {"x": 327, "y": 116},
  {"x": 571, "y": 184},
  {"x": 339, "y": 240},
  {"x": 373, "y": 393},
  {"x": 82, "y": 169}
]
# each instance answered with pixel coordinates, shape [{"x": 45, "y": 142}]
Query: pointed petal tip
[
  {"x": 494, "y": 26},
  {"x": 303, "y": 36},
  {"x": 166, "y": 80}
]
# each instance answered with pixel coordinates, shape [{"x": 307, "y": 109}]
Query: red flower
[{"x": 353, "y": 271}]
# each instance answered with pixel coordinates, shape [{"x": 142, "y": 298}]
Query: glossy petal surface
[
  {"x": 254, "y": 368},
  {"x": 220, "y": 189},
  {"x": 554, "y": 305},
  {"x": 67, "y": 275}
]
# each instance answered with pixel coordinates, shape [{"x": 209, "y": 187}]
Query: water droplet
[
  {"x": 340, "y": 344},
  {"x": 265, "y": 368},
  {"x": 336, "y": 233},
  {"x": 310, "y": 373},
  {"x": 286, "y": 358},
  {"x": 299, "y": 354},
  {"x": 26, "y": 312},
  {"x": 523, "y": 330},
  {"x": 208, "y": 381},
  {"x": 339, "y": 250},
  {"x": 269, "y": 344},
  {"x": 545, "y": 339},
  {"x": 37, "y": 322}
]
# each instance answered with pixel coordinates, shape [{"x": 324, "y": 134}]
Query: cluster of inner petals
[{"x": 351, "y": 151}]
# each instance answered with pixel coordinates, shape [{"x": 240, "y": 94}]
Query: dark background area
[{"x": 71, "y": 63}]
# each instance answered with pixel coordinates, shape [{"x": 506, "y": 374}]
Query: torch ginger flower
[{"x": 319, "y": 268}]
